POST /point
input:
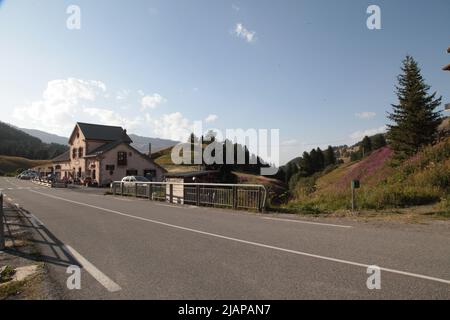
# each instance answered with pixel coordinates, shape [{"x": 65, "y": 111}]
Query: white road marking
[
  {"x": 257, "y": 244},
  {"x": 103, "y": 279},
  {"x": 309, "y": 222}
]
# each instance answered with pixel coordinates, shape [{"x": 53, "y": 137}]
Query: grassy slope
[
  {"x": 11, "y": 164},
  {"x": 423, "y": 179}
]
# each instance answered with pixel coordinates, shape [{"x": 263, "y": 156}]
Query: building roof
[
  {"x": 62, "y": 157},
  {"x": 104, "y": 133},
  {"x": 105, "y": 147}
]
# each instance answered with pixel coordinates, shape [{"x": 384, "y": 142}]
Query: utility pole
[
  {"x": 2, "y": 230},
  {"x": 447, "y": 68}
]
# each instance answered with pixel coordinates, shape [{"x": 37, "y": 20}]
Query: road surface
[{"x": 137, "y": 249}]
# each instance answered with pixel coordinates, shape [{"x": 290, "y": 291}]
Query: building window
[
  {"x": 132, "y": 173},
  {"x": 121, "y": 158},
  {"x": 80, "y": 152},
  {"x": 110, "y": 167},
  {"x": 150, "y": 174},
  {"x": 74, "y": 153}
]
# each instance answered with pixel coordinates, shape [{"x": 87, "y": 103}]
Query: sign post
[{"x": 355, "y": 185}]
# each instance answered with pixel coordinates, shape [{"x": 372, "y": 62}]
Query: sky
[{"x": 312, "y": 69}]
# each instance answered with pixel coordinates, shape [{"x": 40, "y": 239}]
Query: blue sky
[{"x": 309, "y": 68}]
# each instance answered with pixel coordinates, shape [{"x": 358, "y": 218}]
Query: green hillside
[
  {"x": 423, "y": 179},
  {"x": 16, "y": 143}
]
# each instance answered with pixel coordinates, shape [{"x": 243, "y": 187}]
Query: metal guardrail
[
  {"x": 235, "y": 196},
  {"x": 50, "y": 183},
  {"x": 2, "y": 230}
]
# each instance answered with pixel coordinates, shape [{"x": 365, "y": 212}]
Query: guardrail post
[
  {"x": 121, "y": 188},
  {"x": 258, "y": 200},
  {"x": 235, "y": 196},
  {"x": 197, "y": 195},
  {"x": 149, "y": 191},
  {"x": 135, "y": 190},
  {"x": 113, "y": 186},
  {"x": 2, "y": 230},
  {"x": 171, "y": 193}
]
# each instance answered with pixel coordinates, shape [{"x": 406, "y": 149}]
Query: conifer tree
[{"x": 414, "y": 119}]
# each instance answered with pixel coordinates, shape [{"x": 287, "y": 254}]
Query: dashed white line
[
  {"x": 256, "y": 244},
  {"x": 103, "y": 279}
]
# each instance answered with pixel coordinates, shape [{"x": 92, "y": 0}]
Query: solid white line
[
  {"x": 103, "y": 279},
  {"x": 257, "y": 244},
  {"x": 309, "y": 222}
]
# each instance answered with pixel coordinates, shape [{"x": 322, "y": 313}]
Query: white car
[{"x": 131, "y": 180}]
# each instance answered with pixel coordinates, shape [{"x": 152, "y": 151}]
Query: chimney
[{"x": 150, "y": 149}]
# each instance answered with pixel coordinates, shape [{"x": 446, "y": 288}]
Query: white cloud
[
  {"x": 365, "y": 115},
  {"x": 60, "y": 103},
  {"x": 172, "y": 126},
  {"x": 152, "y": 101},
  {"x": 235, "y": 7},
  {"x": 290, "y": 142},
  {"x": 359, "y": 135},
  {"x": 65, "y": 102},
  {"x": 122, "y": 95},
  {"x": 110, "y": 117},
  {"x": 211, "y": 118},
  {"x": 241, "y": 32}
]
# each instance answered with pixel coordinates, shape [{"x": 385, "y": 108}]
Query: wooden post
[
  {"x": 235, "y": 196},
  {"x": 2, "y": 230}
]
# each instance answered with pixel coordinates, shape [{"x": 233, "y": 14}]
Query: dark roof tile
[{"x": 105, "y": 133}]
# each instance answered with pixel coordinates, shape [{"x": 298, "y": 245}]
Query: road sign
[{"x": 355, "y": 184}]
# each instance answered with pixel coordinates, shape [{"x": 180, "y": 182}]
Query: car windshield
[{"x": 141, "y": 179}]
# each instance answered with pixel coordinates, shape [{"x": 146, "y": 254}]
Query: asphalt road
[{"x": 137, "y": 249}]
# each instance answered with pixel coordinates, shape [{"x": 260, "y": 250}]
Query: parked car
[
  {"x": 131, "y": 180},
  {"x": 51, "y": 177},
  {"x": 27, "y": 175}
]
